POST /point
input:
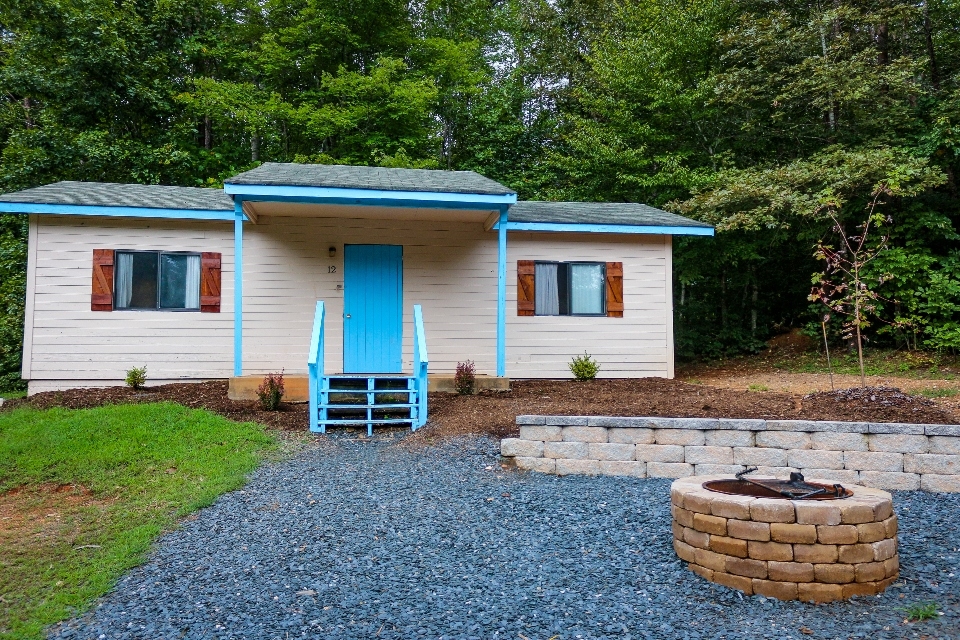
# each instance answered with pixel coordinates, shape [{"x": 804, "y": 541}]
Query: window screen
[
  {"x": 157, "y": 280},
  {"x": 570, "y": 288}
]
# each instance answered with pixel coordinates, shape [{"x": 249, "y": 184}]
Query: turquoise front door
[{"x": 372, "y": 308}]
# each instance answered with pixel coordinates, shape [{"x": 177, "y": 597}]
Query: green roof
[
  {"x": 370, "y": 178},
  {"x": 600, "y": 213},
  {"x": 108, "y": 194}
]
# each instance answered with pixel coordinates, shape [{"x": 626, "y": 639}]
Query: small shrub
[
  {"x": 136, "y": 377},
  {"x": 584, "y": 367},
  {"x": 270, "y": 391},
  {"x": 466, "y": 379},
  {"x": 758, "y": 387},
  {"x": 920, "y": 611}
]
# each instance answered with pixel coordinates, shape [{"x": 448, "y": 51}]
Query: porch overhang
[{"x": 367, "y": 197}]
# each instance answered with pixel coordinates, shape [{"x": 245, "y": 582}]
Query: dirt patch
[
  {"x": 495, "y": 413},
  {"x": 42, "y": 514}
]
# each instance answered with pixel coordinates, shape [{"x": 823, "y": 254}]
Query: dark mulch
[
  {"x": 211, "y": 396},
  {"x": 495, "y": 413}
]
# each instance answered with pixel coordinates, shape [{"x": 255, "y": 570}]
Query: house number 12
[{"x": 332, "y": 268}]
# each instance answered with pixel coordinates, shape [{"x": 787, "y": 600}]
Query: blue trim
[
  {"x": 420, "y": 364},
  {"x": 368, "y": 197},
  {"x": 123, "y": 212},
  {"x": 607, "y": 228},
  {"x": 238, "y": 288},
  {"x": 315, "y": 371},
  {"x": 502, "y": 293}
]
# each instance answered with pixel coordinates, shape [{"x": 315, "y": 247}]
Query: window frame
[
  {"x": 159, "y": 253},
  {"x": 568, "y": 281}
]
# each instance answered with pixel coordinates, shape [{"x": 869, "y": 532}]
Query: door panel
[{"x": 372, "y": 308}]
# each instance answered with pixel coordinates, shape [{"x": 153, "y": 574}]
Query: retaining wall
[{"x": 881, "y": 455}]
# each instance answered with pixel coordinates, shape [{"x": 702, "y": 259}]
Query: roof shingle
[
  {"x": 379, "y": 178},
  {"x": 107, "y": 194},
  {"x": 621, "y": 213}
]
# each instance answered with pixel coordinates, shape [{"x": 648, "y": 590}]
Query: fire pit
[{"x": 788, "y": 539}]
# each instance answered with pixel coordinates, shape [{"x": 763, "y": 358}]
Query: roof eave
[
  {"x": 570, "y": 227},
  {"x": 114, "y": 211}
]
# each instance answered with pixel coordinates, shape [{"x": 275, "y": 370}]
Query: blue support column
[
  {"x": 502, "y": 295},
  {"x": 238, "y": 288}
]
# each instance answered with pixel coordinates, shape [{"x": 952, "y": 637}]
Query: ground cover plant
[{"x": 83, "y": 494}]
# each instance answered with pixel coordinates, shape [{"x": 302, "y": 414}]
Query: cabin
[{"x": 366, "y": 282}]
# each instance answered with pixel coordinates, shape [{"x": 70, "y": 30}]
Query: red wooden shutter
[
  {"x": 526, "y": 288},
  {"x": 615, "y": 289},
  {"x": 209, "y": 282},
  {"x": 102, "y": 297}
]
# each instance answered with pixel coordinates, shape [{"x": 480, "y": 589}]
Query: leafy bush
[
  {"x": 584, "y": 367},
  {"x": 136, "y": 377},
  {"x": 466, "y": 379},
  {"x": 270, "y": 391}
]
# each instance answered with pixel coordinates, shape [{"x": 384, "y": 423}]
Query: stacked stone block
[
  {"x": 881, "y": 455},
  {"x": 788, "y": 549}
]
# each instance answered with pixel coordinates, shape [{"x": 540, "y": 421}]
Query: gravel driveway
[{"x": 354, "y": 539}]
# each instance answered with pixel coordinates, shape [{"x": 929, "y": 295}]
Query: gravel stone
[{"x": 360, "y": 539}]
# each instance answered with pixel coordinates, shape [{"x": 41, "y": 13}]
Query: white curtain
[
  {"x": 587, "y": 288},
  {"x": 124, "y": 279},
  {"x": 547, "y": 302},
  {"x": 193, "y": 282}
]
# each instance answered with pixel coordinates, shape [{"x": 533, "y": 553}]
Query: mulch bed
[{"x": 494, "y": 413}]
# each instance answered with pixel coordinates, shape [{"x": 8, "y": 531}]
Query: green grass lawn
[
  {"x": 904, "y": 364},
  {"x": 139, "y": 469}
]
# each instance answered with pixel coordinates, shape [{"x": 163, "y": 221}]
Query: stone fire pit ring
[{"x": 814, "y": 550}]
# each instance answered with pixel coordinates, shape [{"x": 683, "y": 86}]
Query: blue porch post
[
  {"x": 238, "y": 287},
  {"x": 502, "y": 294}
]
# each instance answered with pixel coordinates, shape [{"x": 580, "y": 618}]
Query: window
[
  {"x": 157, "y": 280},
  {"x": 570, "y": 288}
]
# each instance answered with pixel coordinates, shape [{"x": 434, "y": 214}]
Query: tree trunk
[
  {"x": 27, "y": 118},
  {"x": 753, "y": 309},
  {"x": 723, "y": 299},
  {"x": 207, "y": 133},
  {"x": 883, "y": 45},
  {"x": 928, "y": 33},
  {"x": 255, "y": 148}
]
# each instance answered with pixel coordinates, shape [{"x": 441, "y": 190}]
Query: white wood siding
[
  {"x": 636, "y": 345},
  {"x": 449, "y": 267},
  {"x": 70, "y": 345}
]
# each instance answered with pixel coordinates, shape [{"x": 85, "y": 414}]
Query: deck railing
[
  {"x": 317, "y": 376},
  {"x": 315, "y": 365},
  {"x": 420, "y": 364}
]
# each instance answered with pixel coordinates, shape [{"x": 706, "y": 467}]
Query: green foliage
[
  {"x": 465, "y": 379},
  {"x": 752, "y": 115},
  {"x": 13, "y": 282},
  {"x": 920, "y": 611},
  {"x": 136, "y": 377},
  {"x": 145, "y": 467},
  {"x": 584, "y": 367},
  {"x": 270, "y": 392}
]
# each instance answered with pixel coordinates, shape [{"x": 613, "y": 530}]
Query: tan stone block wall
[{"x": 883, "y": 456}]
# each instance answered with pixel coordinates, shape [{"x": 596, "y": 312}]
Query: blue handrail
[
  {"x": 420, "y": 364},
  {"x": 315, "y": 365}
]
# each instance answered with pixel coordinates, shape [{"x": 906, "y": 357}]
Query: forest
[{"x": 788, "y": 124}]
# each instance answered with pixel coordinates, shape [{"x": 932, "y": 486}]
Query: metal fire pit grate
[{"x": 796, "y": 488}]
